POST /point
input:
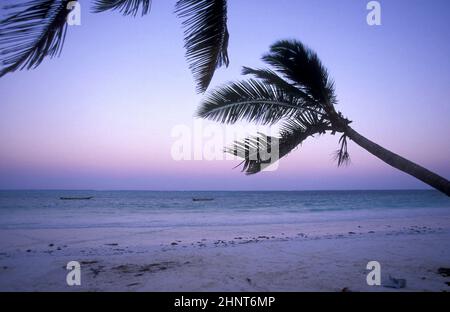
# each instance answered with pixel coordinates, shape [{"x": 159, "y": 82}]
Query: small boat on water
[
  {"x": 76, "y": 198},
  {"x": 202, "y": 199}
]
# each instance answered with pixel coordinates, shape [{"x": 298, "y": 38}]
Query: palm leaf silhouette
[
  {"x": 36, "y": 29},
  {"x": 206, "y": 37},
  {"x": 250, "y": 100},
  {"x": 293, "y": 133},
  {"x": 126, "y": 7},
  {"x": 32, "y": 31}
]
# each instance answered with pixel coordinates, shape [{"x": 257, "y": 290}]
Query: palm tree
[
  {"x": 36, "y": 29},
  {"x": 297, "y": 94}
]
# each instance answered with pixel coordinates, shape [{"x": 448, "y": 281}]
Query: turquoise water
[{"x": 44, "y": 209}]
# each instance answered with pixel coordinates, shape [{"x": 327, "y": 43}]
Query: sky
[{"x": 103, "y": 115}]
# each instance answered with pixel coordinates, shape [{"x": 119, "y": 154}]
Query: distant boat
[
  {"x": 202, "y": 199},
  {"x": 76, "y": 198}
]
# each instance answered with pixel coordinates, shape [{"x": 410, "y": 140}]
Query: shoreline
[{"x": 322, "y": 254}]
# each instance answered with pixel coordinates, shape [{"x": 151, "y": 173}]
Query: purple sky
[{"x": 101, "y": 115}]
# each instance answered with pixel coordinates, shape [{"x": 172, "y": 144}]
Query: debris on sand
[
  {"x": 445, "y": 272},
  {"x": 396, "y": 283},
  {"x": 152, "y": 267}
]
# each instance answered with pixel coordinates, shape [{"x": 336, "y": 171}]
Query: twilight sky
[{"x": 101, "y": 116}]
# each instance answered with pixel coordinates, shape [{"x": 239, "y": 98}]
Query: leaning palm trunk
[
  {"x": 298, "y": 95},
  {"x": 400, "y": 163}
]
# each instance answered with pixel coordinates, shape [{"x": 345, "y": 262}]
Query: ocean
[{"x": 147, "y": 209}]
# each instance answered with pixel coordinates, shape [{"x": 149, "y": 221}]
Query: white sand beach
[{"x": 326, "y": 252}]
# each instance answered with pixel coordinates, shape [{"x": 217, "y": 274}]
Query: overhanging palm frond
[
  {"x": 250, "y": 100},
  {"x": 303, "y": 67},
  {"x": 32, "y": 31},
  {"x": 261, "y": 151},
  {"x": 126, "y": 7},
  {"x": 206, "y": 37}
]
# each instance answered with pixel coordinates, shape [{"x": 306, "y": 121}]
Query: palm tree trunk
[{"x": 400, "y": 163}]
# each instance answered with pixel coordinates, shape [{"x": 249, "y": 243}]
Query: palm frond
[
  {"x": 303, "y": 68},
  {"x": 30, "y": 32},
  {"x": 250, "y": 100},
  {"x": 205, "y": 36},
  {"x": 342, "y": 156},
  {"x": 270, "y": 77},
  {"x": 258, "y": 151},
  {"x": 126, "y": 7}
]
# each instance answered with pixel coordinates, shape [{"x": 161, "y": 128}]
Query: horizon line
[{"x": 219, "y": 190}]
